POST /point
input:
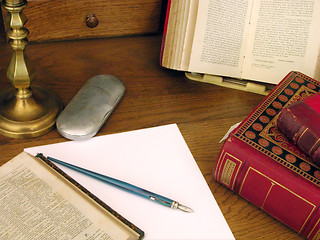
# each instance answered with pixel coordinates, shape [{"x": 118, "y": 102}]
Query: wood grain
[
  {"x": 50, "y": 20},
  {"x": 154, "y": 96}
]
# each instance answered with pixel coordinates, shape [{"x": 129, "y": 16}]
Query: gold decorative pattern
[
  {"x": 273, "y": 182},
  {"x": 265, "y": 199},
  {"x": 304, "y": 131},
  {"x": 314, "y": 145},
  {"x": 261, "y": 133},
  {"x": 317, "y": 235},
  {"x": 224, "y": 157},
  {"x": 227, "y": 172}
]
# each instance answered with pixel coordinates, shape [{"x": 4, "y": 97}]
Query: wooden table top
[{"x": 154, "y": 96}]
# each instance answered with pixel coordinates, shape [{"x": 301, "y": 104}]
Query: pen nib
[{"x": 185, "y": 208}]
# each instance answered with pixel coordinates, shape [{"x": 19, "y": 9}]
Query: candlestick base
[{"x": 28, "y": 113}]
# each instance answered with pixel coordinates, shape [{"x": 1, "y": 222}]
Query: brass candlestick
[{"x": 25, "y": 111}]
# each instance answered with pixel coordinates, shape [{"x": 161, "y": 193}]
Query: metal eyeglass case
[{"x": 90, "y": 108}]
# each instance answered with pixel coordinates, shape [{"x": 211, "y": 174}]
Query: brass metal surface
[{"x": 25, "y": 111}]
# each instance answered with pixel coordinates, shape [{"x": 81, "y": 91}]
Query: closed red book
[
  {"x": 300, "y": 122},
  {"x": 261, "y": 165}
]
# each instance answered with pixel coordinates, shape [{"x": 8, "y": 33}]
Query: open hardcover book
[
  {"x": 255, "y": 40},
  {"x": 38, "y": 200}
]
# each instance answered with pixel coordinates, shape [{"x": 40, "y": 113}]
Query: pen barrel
[
  {"x": 136, "y": 190},
  {"x": 119, "y": 184}
]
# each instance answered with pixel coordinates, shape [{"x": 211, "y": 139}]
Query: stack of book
[{"x": 261, "y": 164}]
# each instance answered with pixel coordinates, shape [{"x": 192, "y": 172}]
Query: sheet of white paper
[{"x": 156, "y": 159}]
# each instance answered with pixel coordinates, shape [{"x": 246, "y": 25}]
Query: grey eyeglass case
[{"x": 90, "y": 108}]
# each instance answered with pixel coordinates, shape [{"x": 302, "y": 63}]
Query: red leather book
[
  {"x": 300, "y": 122},
  {"x": 261, "y": 165}
]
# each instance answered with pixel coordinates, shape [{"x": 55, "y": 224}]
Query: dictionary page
[
  {"x": 37, "y": 203},
  {"x": 220, "y": 37},
  {"x": 284, "y": 36}
]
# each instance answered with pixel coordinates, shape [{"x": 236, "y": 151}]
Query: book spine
[
  {"x": 163, "y": 41},
  {"x": 300, "y": 123},
  {"x": 275, "y": 189}
]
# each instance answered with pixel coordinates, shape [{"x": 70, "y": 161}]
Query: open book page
[
  {"x": 156, "y": 159},
  {"x": 37, "y": 203},
  {"x": 220, "y": 37},
  {"x": 284, "y": 36}
]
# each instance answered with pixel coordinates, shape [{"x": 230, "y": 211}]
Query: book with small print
[{"x": 40, "y": 201}]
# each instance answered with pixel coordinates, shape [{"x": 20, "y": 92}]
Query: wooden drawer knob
[{"x": 92, "y": 21}]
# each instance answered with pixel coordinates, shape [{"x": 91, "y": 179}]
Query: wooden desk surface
[{"x": 154, "y": 96}]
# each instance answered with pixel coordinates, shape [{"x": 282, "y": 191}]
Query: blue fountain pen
[{"x": 126, "y": 186}]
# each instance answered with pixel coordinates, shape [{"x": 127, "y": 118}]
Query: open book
[
  {"x": 258, "y": 40},
  {"x": 38, "y": 200}
]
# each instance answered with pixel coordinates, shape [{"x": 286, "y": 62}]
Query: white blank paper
[{"x": 156, "y": 159}]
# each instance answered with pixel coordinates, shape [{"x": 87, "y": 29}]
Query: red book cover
[
  {"x": 261, "y": 165},
  {"x": 300, "y": 122}
]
